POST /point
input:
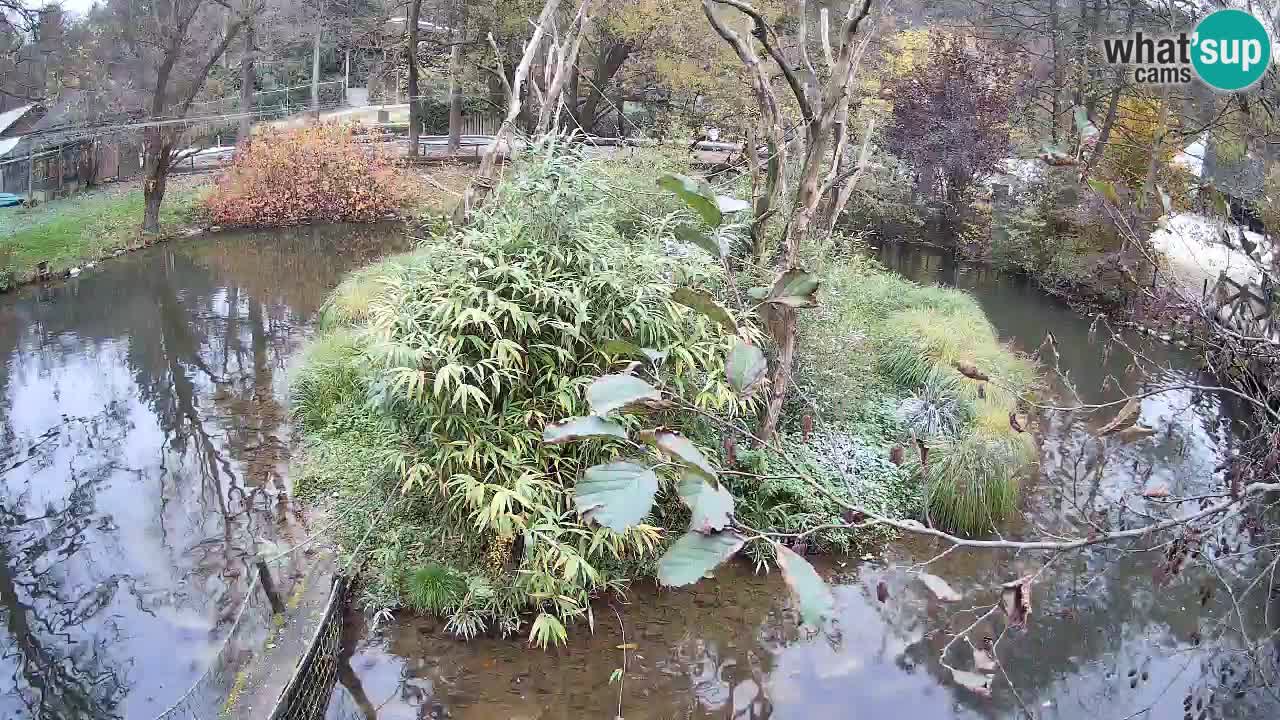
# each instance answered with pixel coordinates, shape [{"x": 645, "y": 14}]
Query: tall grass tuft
[{"x": 883, "y": 339}]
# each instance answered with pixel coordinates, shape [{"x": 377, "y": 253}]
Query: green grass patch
[
  {"x": 75, "y": 230},
  {"x": 881, "y": 358}
]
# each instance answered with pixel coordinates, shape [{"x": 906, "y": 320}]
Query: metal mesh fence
[
  {"x": 306, "y": 697},
  {"x": 207, "y": 698}
]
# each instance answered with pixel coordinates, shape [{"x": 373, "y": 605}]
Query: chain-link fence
[
  {"x": 306, "y": 697},
  {"x": 215, "y": 689}
]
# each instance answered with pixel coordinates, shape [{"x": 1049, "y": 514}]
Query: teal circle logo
[{"x": 1231, "y": 50}]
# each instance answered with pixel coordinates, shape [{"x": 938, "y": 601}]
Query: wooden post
[
  {"x": 269, "y": 587},
  {"x": 31, "y": 172}
]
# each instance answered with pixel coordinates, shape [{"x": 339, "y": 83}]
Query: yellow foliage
[
  {"x": 1128, "y": 152},
  {"x": 909, "y": 48}
]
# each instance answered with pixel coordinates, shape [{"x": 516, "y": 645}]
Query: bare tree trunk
[
  {"x": 247, "y": 80},
  {"x": 455, "y": 95},
  {"x": 157, "y": 154},
  {"x": 1113, "y": 105},
  {"x": 415, "y": 105},
  {"x": 572, "y": 41},
  {"x": 1055, "y": 106},
  {"x": 482, "y": 184},
  {"x": 1157, "y": 142},
  {"x": 315, "y": 69}
]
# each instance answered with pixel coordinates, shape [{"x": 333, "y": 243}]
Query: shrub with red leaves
[{"x": 321, "y": 173}]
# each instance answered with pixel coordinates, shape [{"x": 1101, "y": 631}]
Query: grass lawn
[{"x": 82, "y": 228}]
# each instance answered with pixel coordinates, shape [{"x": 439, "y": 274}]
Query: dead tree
[
  {"x": 823, "y": 113},
  {"x": 482, "y": 184}
]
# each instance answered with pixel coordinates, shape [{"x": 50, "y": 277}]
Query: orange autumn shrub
[{"x": 320, "y": 173}]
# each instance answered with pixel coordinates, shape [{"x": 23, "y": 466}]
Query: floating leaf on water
[
  {"x": 686, "y": 232},
  {"x": 707, "y": 305},
  {"x": 696, "y": 193},
  {"x": 1159, "y": 490},
  {"x": 745, "y": 367},
  {"x": 795, "y": 288},
  {"x": 712, "y": 505},
  {"x": 973, "y": 682},
  {"x": 577, "y": 428},
  {"x": 694, "y": 555},
  {"x": 816, "y": 601},
  {"x": 625, "y": 646},
  {"x": 616, "y": 495},
  {"x": 674, "y": 445},
  {"x": 613, "y": 392},
  {"x": 1127, "y": 415},
  {"x": 939, "y": 587},
  {"x": 1015, "y": 600}
]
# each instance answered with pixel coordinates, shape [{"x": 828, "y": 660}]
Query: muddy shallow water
[
  {"x": 144, "y": 439},
  {"x": 1108, "y": 639}
]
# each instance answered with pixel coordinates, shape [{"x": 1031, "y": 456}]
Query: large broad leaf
[
  {"x": 694, "y": 555},
  {"x": 795, "y": 288},
  {"x": 577, "y": 428},
  {"x": 1088, "y": 131},
  {"x": 696, "y": 236},
  {"x": 816, "y": 601},
  {"x": 712, "y": 505},
  {"x": 729, "y": 204},
  {"x": 758, "y": 293},
  {"x": 705, "y": 304},
  {"x": 612, "y": 392},
  {"x": 676, "y": 446},
  {"x": 695, "y": 193},
  {"x": 745, "y": 366},
  {"x": 616, "y": 495}
]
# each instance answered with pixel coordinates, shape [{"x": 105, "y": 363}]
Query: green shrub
[{"x": 461, "y": 352}]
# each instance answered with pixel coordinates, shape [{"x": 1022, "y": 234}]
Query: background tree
[{"x": 951, "y": 117}]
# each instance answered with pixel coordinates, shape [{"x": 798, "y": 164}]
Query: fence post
[{"x": 31, "y": 173}]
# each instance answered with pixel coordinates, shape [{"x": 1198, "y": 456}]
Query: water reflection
[
  {"x": 143, "y": 441},
  {"x": 1107, "y": 640}
]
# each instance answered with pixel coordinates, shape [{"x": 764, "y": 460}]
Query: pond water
[
  {"x": 1108, "y": 639},
  {"x": 143, "y": 444}
]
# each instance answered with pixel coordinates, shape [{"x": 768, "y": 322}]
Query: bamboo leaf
[
  {"x": 695, "y": 193},
  {"x": 694, "y": 555},
  {"x": 816, "y": 601},
  {"x": 712, "y": 505},
  {"x": 674, "y": 445},
  {"x": 746, "y": 366},
  {"x": 577, "y": 428},
  {"x": 705, "y": 304},
  {"x": 617, "y": 495},
  {"x": 613, "y": 392},
  {"x": 795, "y": 288}
]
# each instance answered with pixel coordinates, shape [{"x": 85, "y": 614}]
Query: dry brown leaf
[
  {"x": 1127, "y": 416},
  {"x": 1156, "y": 491},
  {"x": 939, "y": 588},
  {"x": 1015, "y": 600}
]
